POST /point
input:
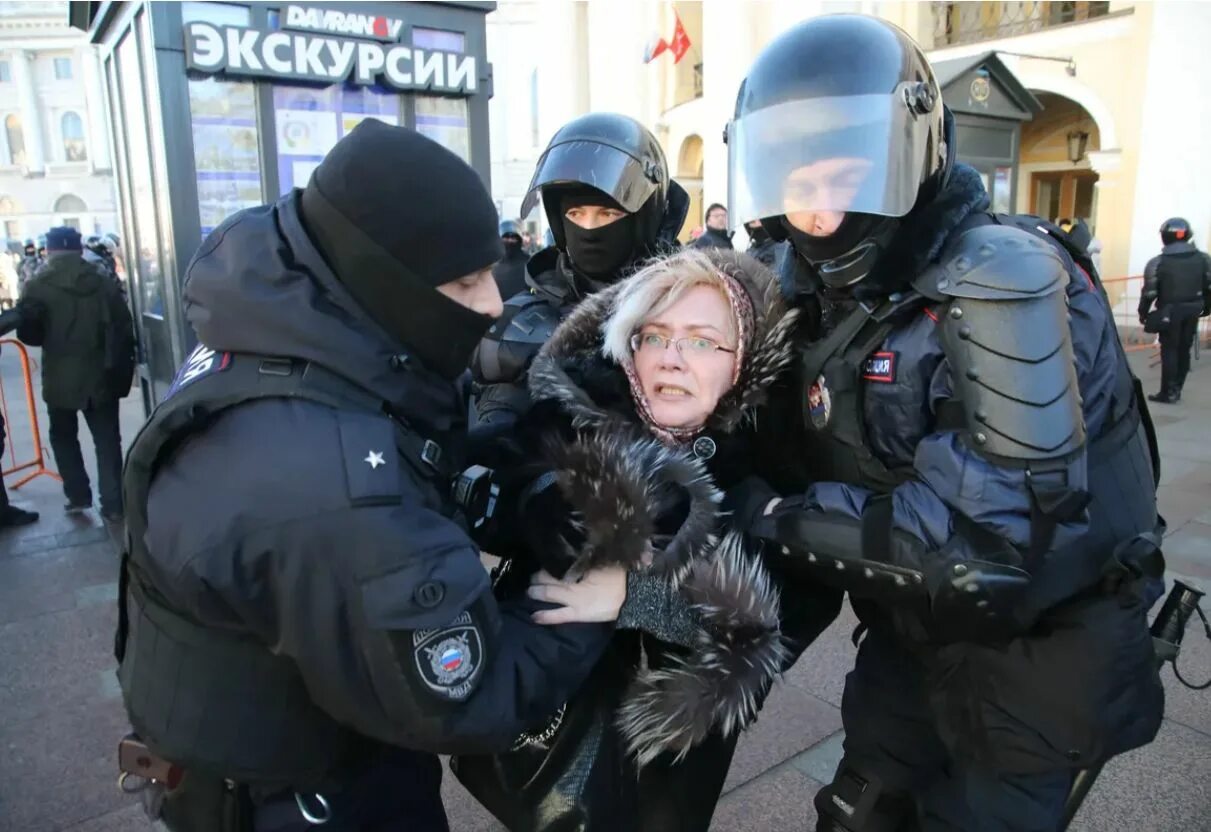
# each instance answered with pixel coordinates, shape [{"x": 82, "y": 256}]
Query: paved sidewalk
[{"x": 61, "y": 714}]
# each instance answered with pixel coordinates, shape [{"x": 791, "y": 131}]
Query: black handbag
[
  {"x": 1158, "y": 320},
  {"x": 573, "y": 775}
]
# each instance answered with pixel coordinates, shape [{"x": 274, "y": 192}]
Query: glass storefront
[
  {"x": 226, "y": 144},
  {"x": 197, "y": 141}
]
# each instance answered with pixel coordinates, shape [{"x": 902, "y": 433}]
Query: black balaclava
[
  {"x": 850, "y": 253},
  {"x": 396, "y": 215},
  {"x": 757, "y": 234},
  {"x": 598, "y": 253},
  {"x": 513, "y": 245}
]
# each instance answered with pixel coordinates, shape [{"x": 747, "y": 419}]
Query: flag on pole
[
  {"x": 681, "y": 41},
  {"x": 678, "y": 46},
  {"x": 655, "y": 46}
]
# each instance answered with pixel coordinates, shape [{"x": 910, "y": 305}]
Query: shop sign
[{"x": 329, "y": 46}]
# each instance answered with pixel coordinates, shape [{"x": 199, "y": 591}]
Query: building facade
[
  {"x": 1102, "y": 121},
  {"x": 55, "y": 160}
]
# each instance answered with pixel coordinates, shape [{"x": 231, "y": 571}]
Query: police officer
[
  {"x": 761, "y": 245},
  {"x": 510, "y": 271},
  {"x": 973, "y": 465},
  {"x": 1178, "y": 282},
  {"x": 305, "y": 601},
  {"x": 606, "y": 190},
  {"x": 33, "y": 259}
]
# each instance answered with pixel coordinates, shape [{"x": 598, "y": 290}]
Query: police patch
[
  {"x": 450, "y": 659},
  {"x": 201, "y": 362},
  {"x": 881, "y": 366},
  {"x": 819, "y": 404}
]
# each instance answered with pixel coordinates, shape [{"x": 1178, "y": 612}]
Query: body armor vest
[
  {"x": 1179, "y": 278},
  {"x": 205, "y": 698},
  {"x": 1123, "y": 460}
]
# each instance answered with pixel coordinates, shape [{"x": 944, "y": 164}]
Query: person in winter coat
[
  {"x": 75, "y": 312},
  {"x": 637, "y": 431},
  {"x": 715, "y": 235},
  {"x": 310, "y": 621}
]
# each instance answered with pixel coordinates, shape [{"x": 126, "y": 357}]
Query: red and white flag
[{"x": 678, "y": 45}]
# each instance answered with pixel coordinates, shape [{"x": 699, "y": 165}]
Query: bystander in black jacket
[{"x": 76, "y": 313}]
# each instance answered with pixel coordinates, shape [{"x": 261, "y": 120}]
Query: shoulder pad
[
  {"x": 372, "y": 463},
  {"x": 995, "y": 262},
  {"x": 1007, "y": 337}
]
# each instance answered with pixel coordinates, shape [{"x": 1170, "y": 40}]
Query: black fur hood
[{"x": 622, "y": 482}]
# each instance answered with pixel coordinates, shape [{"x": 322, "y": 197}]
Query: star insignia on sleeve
[{"x": 376, "y": 459}]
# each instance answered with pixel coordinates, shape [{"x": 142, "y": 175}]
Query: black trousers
[
  {"x": 895, "y": 759},
  {"x": 106, "y": 431},
  {"x": 1176, "y": 342},
  {"x": 3, "y": 490}
]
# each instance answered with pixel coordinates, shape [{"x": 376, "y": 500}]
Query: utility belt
[{"x": 193, "y": 801}]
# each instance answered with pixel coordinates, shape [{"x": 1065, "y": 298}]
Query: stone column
[
  {"x": 98, "y": 136},
  {"x": 31, "y": 119}
]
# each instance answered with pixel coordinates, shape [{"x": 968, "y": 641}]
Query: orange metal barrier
[{"x": 38, "y": 463}]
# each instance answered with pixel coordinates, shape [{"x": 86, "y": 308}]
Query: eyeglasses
[{"x": 695, "y": 345}]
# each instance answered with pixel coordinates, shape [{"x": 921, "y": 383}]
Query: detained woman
[{"x": 637, "y": 431}]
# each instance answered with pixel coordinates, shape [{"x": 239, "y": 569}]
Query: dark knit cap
[
  {"x": 63, "y": 238},
  {"x": 421, "y": 203},
  {"x": 396, "y": 215}
]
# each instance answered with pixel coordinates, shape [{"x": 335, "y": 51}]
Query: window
[
  {"x": 6, "y": 72},
  {"x": 62, "y": 69},
  {"x": 12, "y": 229},
  {"x": 226, "y": 137},
  {"x": 70, "y": 204},
  {"x": 16, "y": 140},
  {"x": 72, "y": 128}
]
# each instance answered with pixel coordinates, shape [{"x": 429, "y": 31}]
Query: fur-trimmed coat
[{"x": 623, "y": 493}]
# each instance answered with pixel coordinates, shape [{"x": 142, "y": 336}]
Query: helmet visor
[
  {"x": 861, "y": 153},
  {"x": 618, "y": 174}
]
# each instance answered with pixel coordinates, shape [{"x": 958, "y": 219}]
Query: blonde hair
[{"x": 652, "y": 290}]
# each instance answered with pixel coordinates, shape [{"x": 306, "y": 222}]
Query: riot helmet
[
  {"x": 1176, "y": 230},
  {"x": 510, "y": 228},
  {"x": 839, "y": 131},
  {"x": 609, "y": 159},
  {"x": 31, "y": 250}
]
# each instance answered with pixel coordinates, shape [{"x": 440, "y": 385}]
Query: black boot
[
  {"x": 12, "y": 516},
  {"x": 1166, "y": 396}
]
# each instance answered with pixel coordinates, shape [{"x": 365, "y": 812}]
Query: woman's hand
[{"x": 596, "y": 597}]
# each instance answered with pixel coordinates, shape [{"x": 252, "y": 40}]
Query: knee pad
[{"x": 856, "y": 801}]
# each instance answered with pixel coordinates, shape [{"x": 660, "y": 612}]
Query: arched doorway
[
  {"x": 1057, "y": 180},
  {"x": 70, "y": 207},
  {"x": 689, "y": 176}
]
